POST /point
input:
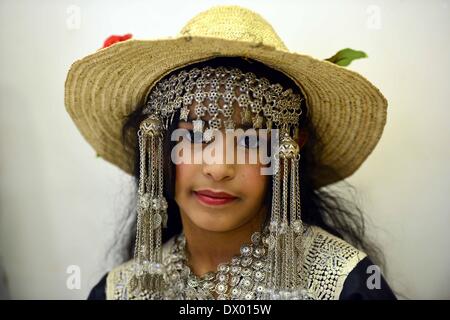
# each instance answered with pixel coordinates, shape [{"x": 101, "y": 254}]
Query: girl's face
[{"x": 220, "y": 197}]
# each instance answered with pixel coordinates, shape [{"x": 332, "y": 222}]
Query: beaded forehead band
[
  {"x": 220, "y": 91},
  {"x": 216, "y": 93}
]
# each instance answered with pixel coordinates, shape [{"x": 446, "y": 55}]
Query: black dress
[{"x": 355, "y": 286}]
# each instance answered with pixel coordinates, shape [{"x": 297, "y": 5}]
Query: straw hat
[{"x": 101, "y": 89}]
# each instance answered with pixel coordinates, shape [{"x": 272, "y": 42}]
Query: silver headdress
[{"x": 217, "y": 92}]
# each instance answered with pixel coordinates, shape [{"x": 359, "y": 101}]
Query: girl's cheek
[
  {"x": 182, "y": 171},
  {"x": 181, "y": 181},
  {"x": 185, "y": 174},
  {"x": 252, "y": 177}
]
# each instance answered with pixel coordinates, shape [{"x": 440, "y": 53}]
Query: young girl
[{"x": 230, "y": 138}]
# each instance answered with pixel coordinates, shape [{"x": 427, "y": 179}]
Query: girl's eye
[
  {"x": 245, "y": 141},
  {"x": 194, "y": 138},
  {"x": 249, "y": 142}
]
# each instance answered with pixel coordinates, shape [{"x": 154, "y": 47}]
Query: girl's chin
[{"x": 214, "y": 224}]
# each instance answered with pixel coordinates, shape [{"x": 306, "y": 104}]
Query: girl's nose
[
  {"x": 219, "y": 172},
  {"x": 220, "y": 169}
]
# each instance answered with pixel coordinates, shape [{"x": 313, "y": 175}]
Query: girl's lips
[{"x": 214, "y": 198}]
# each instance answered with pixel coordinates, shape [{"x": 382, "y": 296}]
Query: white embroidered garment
[{"x": 327, "y": 262}]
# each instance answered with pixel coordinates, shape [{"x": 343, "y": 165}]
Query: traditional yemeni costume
[{"x": 287, "y": 259}]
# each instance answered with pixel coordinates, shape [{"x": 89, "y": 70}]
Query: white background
[{"x": 59, "y": 203}]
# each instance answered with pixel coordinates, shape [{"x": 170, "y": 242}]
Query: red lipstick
[{"x": 214, "y": 198}]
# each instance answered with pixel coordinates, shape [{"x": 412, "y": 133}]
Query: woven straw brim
[{"x": 347, "y": 111}]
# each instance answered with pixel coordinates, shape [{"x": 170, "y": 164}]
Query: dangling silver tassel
[
  {"x": 272, "y": 240},
  {"x": 285, "y": 223},
  {"x": 151, "y": 209}
]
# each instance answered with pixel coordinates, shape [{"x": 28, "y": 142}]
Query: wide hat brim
[{"x": 346, "y": 110}]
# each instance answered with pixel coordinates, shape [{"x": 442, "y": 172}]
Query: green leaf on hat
[{"x": 345, "y": 56}]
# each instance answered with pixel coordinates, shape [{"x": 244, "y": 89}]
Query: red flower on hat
[{"x": 114, "y": 38}]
